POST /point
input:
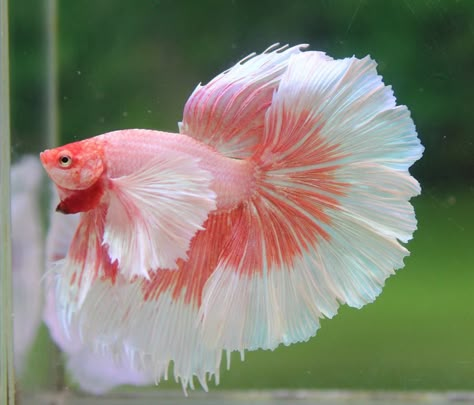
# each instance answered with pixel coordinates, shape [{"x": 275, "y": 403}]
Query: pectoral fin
[{"x": 154, "y": 213}]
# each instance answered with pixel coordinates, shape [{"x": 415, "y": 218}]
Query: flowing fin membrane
[
  {"x": 95, "y": 372},
  {"x": 228, "y": 113},
  {"x": 159, "y": 317},
  {"x": 154, "y": 213},
  {"x": 331, "y": 151},
  {"x": 86, "y": 261},
  {"x": 332, "y": 202}
]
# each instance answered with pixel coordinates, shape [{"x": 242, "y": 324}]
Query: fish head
[{"x": 76, "y": 166}]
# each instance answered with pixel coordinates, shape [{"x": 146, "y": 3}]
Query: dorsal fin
[{"x": 228, "y": 112}]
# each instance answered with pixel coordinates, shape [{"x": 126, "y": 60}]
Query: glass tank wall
[
  {"x": 80, "y": 69},
  {"x": 6, "y": 319}
]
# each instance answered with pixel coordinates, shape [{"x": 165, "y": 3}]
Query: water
[{"x": 78, "y": 70}]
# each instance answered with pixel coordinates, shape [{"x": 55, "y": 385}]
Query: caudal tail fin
[{"x": 331, "y": 209}]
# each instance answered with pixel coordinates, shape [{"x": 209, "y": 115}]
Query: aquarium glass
[{"x": 80, "y": 69}]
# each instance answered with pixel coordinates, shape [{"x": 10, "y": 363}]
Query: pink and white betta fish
[{"x": 285, "y": 194}]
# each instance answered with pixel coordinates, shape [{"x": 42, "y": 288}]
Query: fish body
[
  {"x": 285, "y": 194},
  {"x": 122, "y": 153},
  {"x": 125, "y": 174}
]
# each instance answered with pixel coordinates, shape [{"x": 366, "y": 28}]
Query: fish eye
[{"x": 65, "y": 160}]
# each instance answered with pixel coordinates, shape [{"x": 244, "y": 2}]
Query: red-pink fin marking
[
  {"x": 228, "y": 112},
  {"x": 87, "y": 260},
  {"x": 158, "y": 318},
  {"x": 331, "y": 207}
]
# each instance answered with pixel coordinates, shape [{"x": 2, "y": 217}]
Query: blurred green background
[{"x": 132, "y": 64}]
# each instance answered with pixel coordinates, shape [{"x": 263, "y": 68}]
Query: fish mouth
[
  {"x": 45, "y": 157},
  {"x": 61, "y": 208}
]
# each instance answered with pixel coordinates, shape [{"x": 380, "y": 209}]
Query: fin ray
[
  {"x": 158, "y": 318},
  {"x": 154, "y": 213},
  {"x": 228, "y": 112},
  {"x": 334, "y": 159}
]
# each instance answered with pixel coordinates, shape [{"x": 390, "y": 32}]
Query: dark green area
[
  {"x": 134, "y": 63},
  {"x": 126, "y": 64}
]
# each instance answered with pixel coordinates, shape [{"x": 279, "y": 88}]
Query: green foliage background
[{"x": 132, "y": 64}]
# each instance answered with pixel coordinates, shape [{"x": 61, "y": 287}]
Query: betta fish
[{"x": 284, "y": 195}]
